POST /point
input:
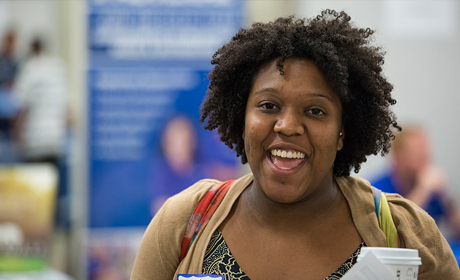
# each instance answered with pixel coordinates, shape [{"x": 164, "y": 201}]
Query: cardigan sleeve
[
  {"x": 417, "y": 230},
  {"x": 159, "y": 252}
]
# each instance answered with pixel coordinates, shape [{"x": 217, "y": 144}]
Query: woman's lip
[{"x": 283, "y": 171}]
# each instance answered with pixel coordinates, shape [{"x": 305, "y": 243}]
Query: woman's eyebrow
[
  {"x": 272, "y": 90},
  {"x": 321, "y": 95},
  {"x": 262, "y": 90}
]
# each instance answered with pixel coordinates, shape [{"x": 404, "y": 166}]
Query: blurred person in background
[
  {"x": 414, "y": 176},
  {"x": 183, "y": 163},
  {"x": 40, "y": 128},
  {"x": 41, "y": 124},
  {"x": 8, "y": 71},
  {"x": 8, "y": 64},
  {"x": 178, "y": 168}
]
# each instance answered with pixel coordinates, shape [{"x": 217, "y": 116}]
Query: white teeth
[{"x": 289, "y": 154}]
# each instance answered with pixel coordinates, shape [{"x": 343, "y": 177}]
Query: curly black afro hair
[{"x": 344, "y": 54}]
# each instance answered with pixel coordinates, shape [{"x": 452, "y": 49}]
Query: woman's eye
[
  {"x": 316, "y": 112},
  {"x": 269, "y": 106}
]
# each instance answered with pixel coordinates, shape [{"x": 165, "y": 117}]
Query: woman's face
[{"x": 292, "y": 130}]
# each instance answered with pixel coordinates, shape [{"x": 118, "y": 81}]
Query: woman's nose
[{"x": 289, "y": 124}]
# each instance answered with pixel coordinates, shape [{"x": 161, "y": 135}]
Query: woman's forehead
[{"x": 301, "y": 74}]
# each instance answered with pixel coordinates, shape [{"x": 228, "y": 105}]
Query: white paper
[{"x": 369, "y": 267}]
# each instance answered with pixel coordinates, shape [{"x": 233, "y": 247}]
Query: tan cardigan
[{"x": 158, "y": 255}]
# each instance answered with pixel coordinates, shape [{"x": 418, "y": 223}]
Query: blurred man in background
[
  {"x": 8, "y": 64},
  {"x": 8, "y": 71},
  {"x": 41, "y": 125},
  {"x": 414, "y": 176},
  {"x": 40, "y": 129}
]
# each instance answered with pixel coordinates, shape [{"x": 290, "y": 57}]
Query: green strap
[{"x": 386, "y": 222}]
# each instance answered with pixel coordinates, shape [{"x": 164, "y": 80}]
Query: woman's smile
[
  {"x": 286, "y": 160},
  {"x": 287, "y": 154}
]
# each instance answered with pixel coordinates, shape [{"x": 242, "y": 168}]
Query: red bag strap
[{"x": 202, "y": 213}]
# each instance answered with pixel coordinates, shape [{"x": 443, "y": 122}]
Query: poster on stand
[{"x": 147, "y": 77}]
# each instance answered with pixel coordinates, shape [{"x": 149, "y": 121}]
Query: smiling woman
[{"x": 303, "y": 102}]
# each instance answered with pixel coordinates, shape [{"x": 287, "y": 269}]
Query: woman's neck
[{"x": 313, "y": 208}]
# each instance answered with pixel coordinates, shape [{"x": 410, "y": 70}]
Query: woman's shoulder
[
  {"x": 418, "y": 230},
  {"x": 178, "y": 208},
  {"x": 356, "y": 190},
  {"x": 191, "y": 195},
  {"x": 403, "y": 207},
  {"x": 414, "y": 224},
  {"x": 408, "y": 217},
  {"x": 181, "y": 205},
  {"x": 159, "y": 252}
]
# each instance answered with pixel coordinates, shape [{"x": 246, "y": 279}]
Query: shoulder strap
[
  {"x": 386, "y": 222},
  {"x": 202, "y": 213}
]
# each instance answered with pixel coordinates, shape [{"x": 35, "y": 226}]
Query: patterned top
[{"x": 218, "y": 260}]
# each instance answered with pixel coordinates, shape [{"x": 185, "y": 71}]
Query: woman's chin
[{"x": 284, "y": 193}]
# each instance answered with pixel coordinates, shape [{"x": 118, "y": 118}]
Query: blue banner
[
  {"x": 172, "y": 31},
  {"x": 147, "y": 76}
]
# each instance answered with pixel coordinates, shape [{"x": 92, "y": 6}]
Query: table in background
[{"x": 49, "y": 274}]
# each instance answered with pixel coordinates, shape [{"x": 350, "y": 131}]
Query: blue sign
[
  {"x": 161, "y": 30},
  {"x": 149, "y": 63}
]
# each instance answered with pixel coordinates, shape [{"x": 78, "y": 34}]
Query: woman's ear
[{"x": 340, "y": 140}]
